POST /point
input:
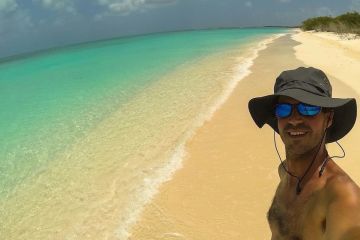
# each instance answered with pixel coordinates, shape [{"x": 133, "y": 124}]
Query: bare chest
[{"x": 296, "y": 218}]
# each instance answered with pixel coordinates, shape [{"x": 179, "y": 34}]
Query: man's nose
[{"x": 295, "y": 118}]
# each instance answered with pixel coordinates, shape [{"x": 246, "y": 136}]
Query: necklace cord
[
  {"x": 327, "y": 159},
  {"x": 323, "y": 165},
  {"x": 299, "y": 179},
  {"x": 342, "y": 149}
]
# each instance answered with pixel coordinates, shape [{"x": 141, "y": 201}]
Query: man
[{"x": 315, "y": 198}]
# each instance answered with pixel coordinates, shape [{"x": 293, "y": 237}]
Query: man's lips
[{"x": 297, "y": 133}]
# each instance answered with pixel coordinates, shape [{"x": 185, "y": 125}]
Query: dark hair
[{"x": 326, "y": 110}]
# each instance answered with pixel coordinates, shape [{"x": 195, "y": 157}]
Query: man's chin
[{"x": 298, "y": 149}]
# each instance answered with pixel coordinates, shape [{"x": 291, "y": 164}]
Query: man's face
[{"x": 302, "y": 134}]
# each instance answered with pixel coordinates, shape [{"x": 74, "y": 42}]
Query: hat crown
[{"x": 307, "y": 79}]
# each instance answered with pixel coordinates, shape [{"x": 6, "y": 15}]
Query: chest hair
[{"x": 287, "y": 214}]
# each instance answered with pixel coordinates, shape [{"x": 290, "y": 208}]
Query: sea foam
[{"x": 165, "y": 173}]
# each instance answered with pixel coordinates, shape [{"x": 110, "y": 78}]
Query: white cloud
[
  {"x": 159, "y": 2},
  {"x": 124, "y": 7},
  {"x": 248, "y": 4},
  {"x": 17, "y": 22},
  {"x": 58, "y": 5},
  {"x": 8, "y": 5},
  {"x": 13, "y": 21}
]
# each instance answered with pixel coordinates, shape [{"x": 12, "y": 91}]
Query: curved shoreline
[
  {"x": 174, "y": 190},
  {"x": 99, "y": 185},
  {"x": 175, "y": 163},
  {"x": 229, "y": 175}
]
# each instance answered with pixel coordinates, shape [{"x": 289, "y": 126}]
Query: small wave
[{"x": 151, "y": 186}]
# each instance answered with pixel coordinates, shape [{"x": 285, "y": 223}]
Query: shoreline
[
  {"x": 193, "y": 183},
  {"x": 106, "y": 187},
  {"x": 175, "y": 164},
  {"x": 216, "y": 193}
]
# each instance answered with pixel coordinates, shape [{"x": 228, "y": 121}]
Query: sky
[{"x": 31, "y": 25}]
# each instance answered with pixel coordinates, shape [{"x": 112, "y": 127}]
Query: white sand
[
  {"x": 230, "y": 175},
  {"x": 336, "y": 56}
]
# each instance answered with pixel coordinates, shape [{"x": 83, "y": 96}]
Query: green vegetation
[{"x": 346, "y": 23}]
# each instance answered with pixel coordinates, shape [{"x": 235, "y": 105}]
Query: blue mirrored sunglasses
[{"x": 283, "y": 110}]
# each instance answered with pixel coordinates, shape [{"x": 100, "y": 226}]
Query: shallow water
[{"x": 90, "y": 131}]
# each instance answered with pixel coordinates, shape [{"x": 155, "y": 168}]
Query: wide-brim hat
[{"x": 310, "y": 86}]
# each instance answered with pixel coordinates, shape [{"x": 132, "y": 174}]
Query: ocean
[{"x": 90, "y": 131}]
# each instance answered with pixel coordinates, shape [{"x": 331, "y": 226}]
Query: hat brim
[{"x": 345, "y": 111}]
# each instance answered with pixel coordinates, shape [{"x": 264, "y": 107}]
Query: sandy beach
[{"x": 229, "y": 175}]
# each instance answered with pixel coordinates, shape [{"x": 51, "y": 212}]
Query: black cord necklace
[
  {"x": 300, "y": 179},
  {"x": 322, "y": 168}
]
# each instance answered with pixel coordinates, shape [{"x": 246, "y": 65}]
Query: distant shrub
[
  {"x": 318, "y": 23},
  {"x": 346, "y": 23},
  {"x": 349, "y": 19}
]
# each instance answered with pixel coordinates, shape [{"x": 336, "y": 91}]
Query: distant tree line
[{"x": 346, "y": 23}]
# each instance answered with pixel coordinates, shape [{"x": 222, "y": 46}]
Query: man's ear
[{"x": 330, "y": 119}]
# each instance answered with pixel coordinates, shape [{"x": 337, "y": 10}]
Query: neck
[{"x": 307, "y": 163}]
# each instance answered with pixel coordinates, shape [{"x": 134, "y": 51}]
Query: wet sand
[{"x": 229, "y": 176}]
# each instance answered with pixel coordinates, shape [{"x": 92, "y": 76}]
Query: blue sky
[{"x": 29, "y": 25}]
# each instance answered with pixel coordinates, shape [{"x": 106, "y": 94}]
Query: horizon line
[{"x": 32, "y": 53}]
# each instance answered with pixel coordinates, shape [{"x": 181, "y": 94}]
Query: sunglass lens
[
  {"x": 308, "y": 110},
  {"x": 283, "y": 110}
]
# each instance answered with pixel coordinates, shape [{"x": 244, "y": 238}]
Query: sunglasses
[{"x": 283, "y": 110}]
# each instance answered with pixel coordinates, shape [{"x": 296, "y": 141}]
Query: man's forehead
[{"x": 286, "y": 99}]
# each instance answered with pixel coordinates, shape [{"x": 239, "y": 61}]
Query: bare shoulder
[
  {"x": 342, "y": 187},
  {"x": 343, "y": 207}
]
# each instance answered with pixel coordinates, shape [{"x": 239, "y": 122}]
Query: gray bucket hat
[{"x": 310, "y": 86}]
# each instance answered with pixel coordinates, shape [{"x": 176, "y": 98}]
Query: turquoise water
[
  {"x": 49, "y": 101},
  {"x": 53, "y": 101}
]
